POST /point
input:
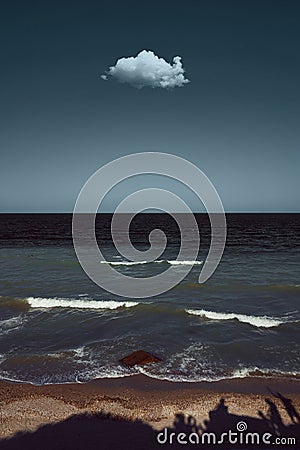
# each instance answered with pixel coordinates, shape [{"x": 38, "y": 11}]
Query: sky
[{"x": 64, "y": 113}]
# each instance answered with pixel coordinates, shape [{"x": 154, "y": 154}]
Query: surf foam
[
  {"x": 256, "y": 321},
  {"x": 124, "y": 263},
  {"x": 11, "y": 324},
  {"x": 40, "y": 302},
  {"x": 174, "y": 262},
  {"x": 184, "y": 263}
]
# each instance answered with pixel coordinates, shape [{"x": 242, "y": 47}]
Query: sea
[{"x": 58, "y": 326}]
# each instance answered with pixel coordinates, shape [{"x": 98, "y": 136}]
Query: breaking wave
[
  {"x": 183, "y": 263},
  {"x": 174, "y": 262},
  {"x": 39, "y": 302},
  {"x": 256, "y": 321}
]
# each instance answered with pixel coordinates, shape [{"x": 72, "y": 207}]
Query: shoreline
[
  {"x": 243, "y": 385},
  {"x": 26, "y": 407}
]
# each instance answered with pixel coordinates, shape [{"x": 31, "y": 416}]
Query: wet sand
[{"x": 26, "y": 407}]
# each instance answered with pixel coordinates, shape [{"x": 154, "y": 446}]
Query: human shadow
[
  {"x": 222, "y": 430},
  {"x": 288, "y": 405}
]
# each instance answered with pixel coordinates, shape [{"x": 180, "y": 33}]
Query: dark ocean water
[{"x": 57, "y": 326}]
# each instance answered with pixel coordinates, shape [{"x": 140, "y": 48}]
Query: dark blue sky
[{"x": 238, "y": 118}]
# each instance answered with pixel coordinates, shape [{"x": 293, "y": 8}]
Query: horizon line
[{"x": 153, "y": 212}]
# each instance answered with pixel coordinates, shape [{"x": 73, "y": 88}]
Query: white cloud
[{"x": 148, "y": 70}]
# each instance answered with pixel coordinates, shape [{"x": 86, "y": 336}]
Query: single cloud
[{"x": 148, "y": 70}]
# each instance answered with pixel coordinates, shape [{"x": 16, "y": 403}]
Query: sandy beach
[{"x": 129, "y": 412}]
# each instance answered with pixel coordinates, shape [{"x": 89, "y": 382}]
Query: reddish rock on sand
[{"x": 139, "y": 357}]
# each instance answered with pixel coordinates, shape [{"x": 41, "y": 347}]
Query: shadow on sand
[{"x": 105, "y": 432}]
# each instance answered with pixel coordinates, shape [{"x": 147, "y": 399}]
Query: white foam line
[
  {"x": 124, "y": 263},
  {"x": 256, "y": 321},
  {"x": 184, "y": 263},
  {"x": 174, "y": 262},
  {"x": 40, "y": 302}
]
